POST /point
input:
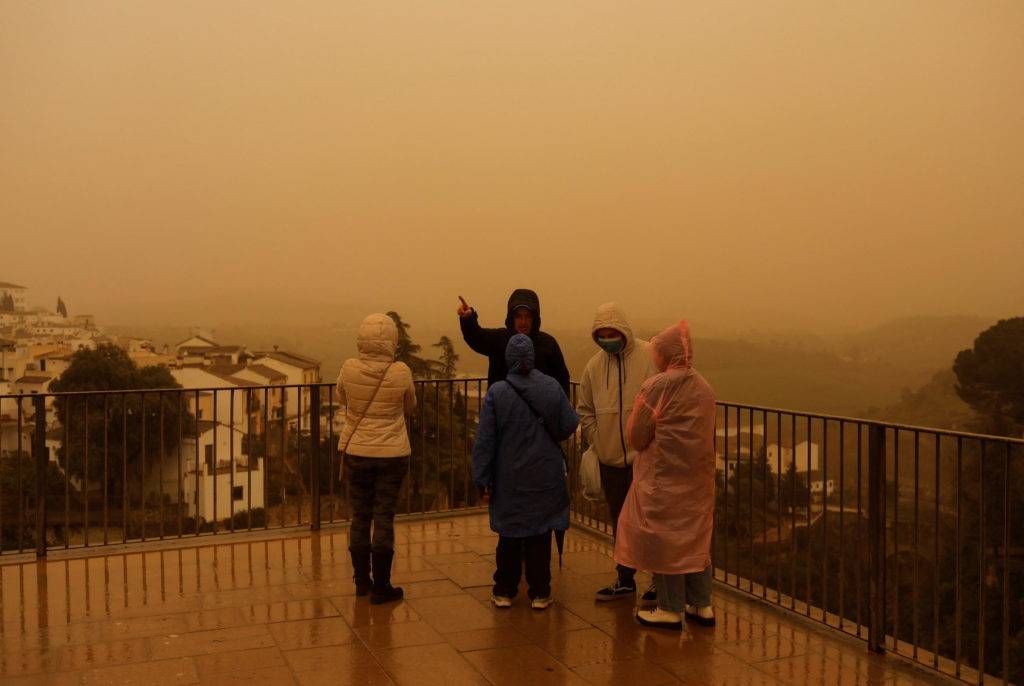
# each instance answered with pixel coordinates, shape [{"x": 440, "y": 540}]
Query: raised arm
[{"x": 479, "y": 339}]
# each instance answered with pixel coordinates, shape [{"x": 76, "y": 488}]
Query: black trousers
[
  {"x": 373, "y": 487},
  {"x": 512, "y": 554},
  {"x": 616, "y": 482}
]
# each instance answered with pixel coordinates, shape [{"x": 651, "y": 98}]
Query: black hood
[{"x": 523, "y": 297}]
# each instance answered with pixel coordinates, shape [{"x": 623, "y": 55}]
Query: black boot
[
  {"x": 361, "y": 570},
  {"x": 383, "y": 591}
]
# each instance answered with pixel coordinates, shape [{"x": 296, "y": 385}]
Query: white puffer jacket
[
  {"x": 381, "y": 432},
  {"x": 609, "y": 386}
]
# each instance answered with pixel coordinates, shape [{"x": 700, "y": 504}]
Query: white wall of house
[{"x": 166, "y": 479}]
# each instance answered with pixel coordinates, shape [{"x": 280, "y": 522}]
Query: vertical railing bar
[
  {"x": 231, "y": 458},
  {"x": 106, "y": 468},
  {"x": 437, "y": 447},
  {"x": 314, "y": 461},
  {"x": 332, "y": 450},
  {"x": 142, "y": 462},
  {"x": 465, "y": 444},
  {"x": 917, "y": 500},
  {"x": 778, "y": 503},
  {"x": 959, "y": 515},
  {"x": 739, "y": 486},
  {"x": 298, "y": 455},
  {"x": 897, "y": 577},
  {"x": 124, "y": 467},
  {"x": 807, "y": 576},
  {"x": 451, "y": 437},
  {"x": 198, "y": 467},
  {"x": 792, "y": 514},
  {"x": 40, "y": 463},
  {"x": 982, "y": 566},
  {"x": 423, "y": 447},
  {"x": 248, "y": 457},
  {"x": 284, "y": 451},
  {"x": 85, "y": 479},
  {"x": 764, "y": 506},
  {"x": 860, "y": 527},
  {"x": 725, "y": 509},
  {"x": 876, "y": 540},
  {"x": 1006, "y": 566},
  {"x": 160, "y": 471},
  {"x": 842, "y": 527},
  {"x": 180, "y": 493},
  {"x": 67, "y": 472},
  {"x": 213, "y": 459},
  {"x": 935, "y": 565},
  {"x": 750, "y": 503},
  {"x": 266, "y": 458},
  {"x": 824, "y": 521},
  {"x": 21, "y": 489}
]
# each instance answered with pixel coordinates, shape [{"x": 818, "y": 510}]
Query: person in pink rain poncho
[{"x": 666, "y": 522}]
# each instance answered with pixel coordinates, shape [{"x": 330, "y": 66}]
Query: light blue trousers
[{"x": 675, "y": 591}]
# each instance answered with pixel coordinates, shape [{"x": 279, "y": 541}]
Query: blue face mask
[{"x": 612, "y": 346}]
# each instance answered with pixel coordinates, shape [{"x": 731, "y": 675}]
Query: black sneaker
[
  {"x": 615, "y": 591},
  {"x": 649, "y": 598}
]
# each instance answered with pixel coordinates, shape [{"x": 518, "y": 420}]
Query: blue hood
[{"x": 519, "y": 354}]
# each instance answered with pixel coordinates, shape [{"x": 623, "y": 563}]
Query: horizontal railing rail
[{"x": 901, "y": 536}]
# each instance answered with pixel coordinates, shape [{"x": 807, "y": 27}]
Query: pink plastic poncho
[{"x": 666, "y": 522}]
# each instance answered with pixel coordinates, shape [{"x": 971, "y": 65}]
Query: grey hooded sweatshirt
[{"x": 608, "y": 387}]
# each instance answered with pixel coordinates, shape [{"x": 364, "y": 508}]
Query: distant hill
[{"x": 850, "y": 374}]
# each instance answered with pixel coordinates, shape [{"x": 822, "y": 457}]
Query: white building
[
  {"x": 226, "y": 481},
  {"x": 19, "y": 294},
  {"x": 297, "y": 369}
]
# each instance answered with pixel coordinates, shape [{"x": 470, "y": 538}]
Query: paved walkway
[{"x": 281, "y": 611}]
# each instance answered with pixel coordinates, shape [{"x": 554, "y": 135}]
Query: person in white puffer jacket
[
  {"x": 610, "y": 382},
  {"x": 377, "y": 393}
]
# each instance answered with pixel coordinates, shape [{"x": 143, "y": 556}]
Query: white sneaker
[
  {"x": 541, "y": 603},
  {"x": 662, "y": 619},
  {"x": 705, "y": 616},
  {"x": 501, "y": 601}
]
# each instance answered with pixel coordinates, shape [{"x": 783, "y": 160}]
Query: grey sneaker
[
  {"x": 541, "y": 603},
  {"x": 615, "y": 591},
  {"x": 501, "y": 601}
]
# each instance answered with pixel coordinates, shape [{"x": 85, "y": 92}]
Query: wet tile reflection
[{"x": 282, "y": 610}]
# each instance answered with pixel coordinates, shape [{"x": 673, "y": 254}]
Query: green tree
[
  {"x": 990, "y": 376},
  {"x": 448, "y": 357},
  {"x": 407, "y": 350},
  {"x": 110, "y": 433}
]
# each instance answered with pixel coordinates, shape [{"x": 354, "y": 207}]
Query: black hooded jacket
[{"x": 492, "y": 342}]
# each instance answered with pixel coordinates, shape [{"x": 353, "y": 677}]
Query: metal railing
[{"x": 900, "y": 536}]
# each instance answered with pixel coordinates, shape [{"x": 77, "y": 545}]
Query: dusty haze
[{"x": 740, "y": 163}]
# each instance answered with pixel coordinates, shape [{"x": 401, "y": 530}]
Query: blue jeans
[{"x": 676, "y": 591}]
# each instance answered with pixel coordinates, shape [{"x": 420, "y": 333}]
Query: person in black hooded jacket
[{"x": 523, "y": 317}]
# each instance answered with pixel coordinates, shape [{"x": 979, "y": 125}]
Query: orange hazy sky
[{"x": 798, "y": 163}]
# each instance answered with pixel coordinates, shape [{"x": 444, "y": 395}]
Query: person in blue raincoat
[{"x": 518, "y": 460}]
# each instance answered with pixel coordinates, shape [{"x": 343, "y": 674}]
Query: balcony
[{"x": 846, "y": 551}]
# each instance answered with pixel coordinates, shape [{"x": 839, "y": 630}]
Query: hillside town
[{"x": 37, "y": 345}]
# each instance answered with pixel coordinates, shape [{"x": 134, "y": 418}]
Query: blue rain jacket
[{"x": 516, "y": 455}]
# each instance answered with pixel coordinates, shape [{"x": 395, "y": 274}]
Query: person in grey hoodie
[{"x": 609, "y": 384}]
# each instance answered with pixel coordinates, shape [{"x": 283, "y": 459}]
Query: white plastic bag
[{"x": 590, "y": 475}]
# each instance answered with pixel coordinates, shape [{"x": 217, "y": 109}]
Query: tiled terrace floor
[{"x": 282, "y": 611}]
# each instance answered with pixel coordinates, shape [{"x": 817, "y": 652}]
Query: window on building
[
  {"x": 238, "y": 493},
  {"x": 209, "y": 456}
]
